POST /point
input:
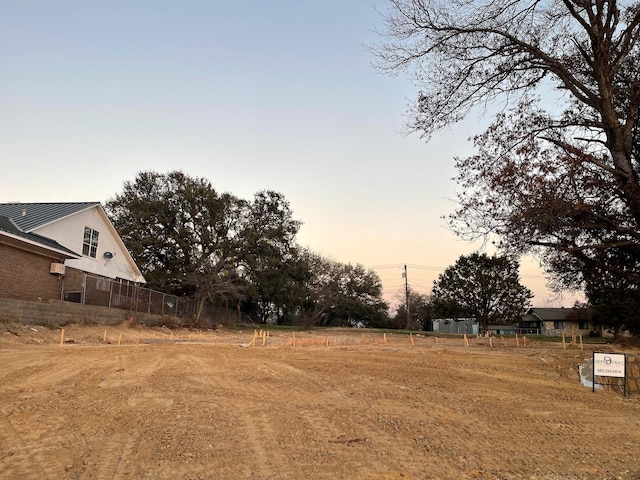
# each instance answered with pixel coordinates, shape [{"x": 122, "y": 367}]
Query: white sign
[{"x": 609, "y": 365}]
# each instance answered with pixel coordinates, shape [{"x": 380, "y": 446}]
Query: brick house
[
  {"x": 555, "y": 321},
  {"x": 26, "y": 263},
  {"x": 45, "y": 248}
]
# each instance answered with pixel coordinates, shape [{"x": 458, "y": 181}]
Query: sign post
[{"x": 609, "y": 365}]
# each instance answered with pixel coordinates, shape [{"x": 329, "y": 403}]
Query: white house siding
[{"x": 69, "y": 232}]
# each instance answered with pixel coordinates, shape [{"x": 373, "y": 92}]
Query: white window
[{"x": 90, "y": 242}]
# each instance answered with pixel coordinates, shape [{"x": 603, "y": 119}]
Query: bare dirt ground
[{"x": 185, "y": 405}]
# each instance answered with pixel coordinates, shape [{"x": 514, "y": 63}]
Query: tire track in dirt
[
  {"x": 171, "y": 431},
  {"x": 17, "y": 459},
  {"x": 266, "y": 387},
  {"x": 126, "y": 371},
  {"x": 112, "y": 459},
  {"x": 126, "y": 403},
  {"x": 38, "y": 441},
  {"x": 38, "y": 438},
  {"x": 44, "y": 430},
  {"x": 262, "y": 413},
  {"x": 264, "y": 458},
  {"x": 50, "y": 373},
  {"x": 322, "y": 438},
  {"x": 380, "y": 410}
]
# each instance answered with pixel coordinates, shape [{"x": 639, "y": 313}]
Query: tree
[
  {"x": 488, "y": 288},
  {"x": 342, "y": 294},
  {"x": 191, "y": 240},
  {"x": 179, "y": 230},
  {"x": 268, "y": 256},
  {"x": 448, "y": 308},
  {"x": 420, "y": 309},
  {"x": 615, "y": 301},
  {"x": 360, "y": 301},
  {"x": 557, "y": 178}
]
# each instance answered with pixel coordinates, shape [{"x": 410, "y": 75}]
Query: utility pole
[{"x": 406, "y": 296}]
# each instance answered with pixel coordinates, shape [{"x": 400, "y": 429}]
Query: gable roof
[
  {"x": 9, "y": 229},
  {"x": 30, "y": 216},
  {"x": 552, "y": 314}
]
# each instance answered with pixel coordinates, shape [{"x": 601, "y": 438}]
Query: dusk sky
[{"x": 252, "y": 95}]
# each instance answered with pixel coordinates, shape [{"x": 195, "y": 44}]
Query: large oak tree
[
  {"x": 190, "y": 239},
  {"x": 179, "y": 229}
]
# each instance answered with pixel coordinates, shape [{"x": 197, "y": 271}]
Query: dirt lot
[{"x": 184, "y": 405}]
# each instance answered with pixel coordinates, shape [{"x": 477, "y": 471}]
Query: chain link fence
[{"x": 124, "y": 295}]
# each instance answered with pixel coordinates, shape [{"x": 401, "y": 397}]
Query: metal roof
[
  {"x": 8, "y": 226},
  {"x": 29, "y": 216}
]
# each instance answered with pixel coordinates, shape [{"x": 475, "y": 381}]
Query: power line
[
  {"x": 391, "y": 265},
  {"x": 417, "y": 285},
  {"x": 400, "y": 266}
]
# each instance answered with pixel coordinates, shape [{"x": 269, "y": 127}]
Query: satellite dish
[{"x": 108, "y": 255}]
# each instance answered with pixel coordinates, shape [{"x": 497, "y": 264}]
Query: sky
[{"x": 250, "y": 94}]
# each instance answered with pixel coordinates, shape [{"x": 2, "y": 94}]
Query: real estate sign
[{"x": 610, "y": 365}]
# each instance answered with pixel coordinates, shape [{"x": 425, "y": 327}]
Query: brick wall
[
  {"x": 64, "y": 313},
  {"x": 25, "y": 275}
]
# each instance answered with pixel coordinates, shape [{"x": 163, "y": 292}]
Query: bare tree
[{"x": 559, "y": 178}]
